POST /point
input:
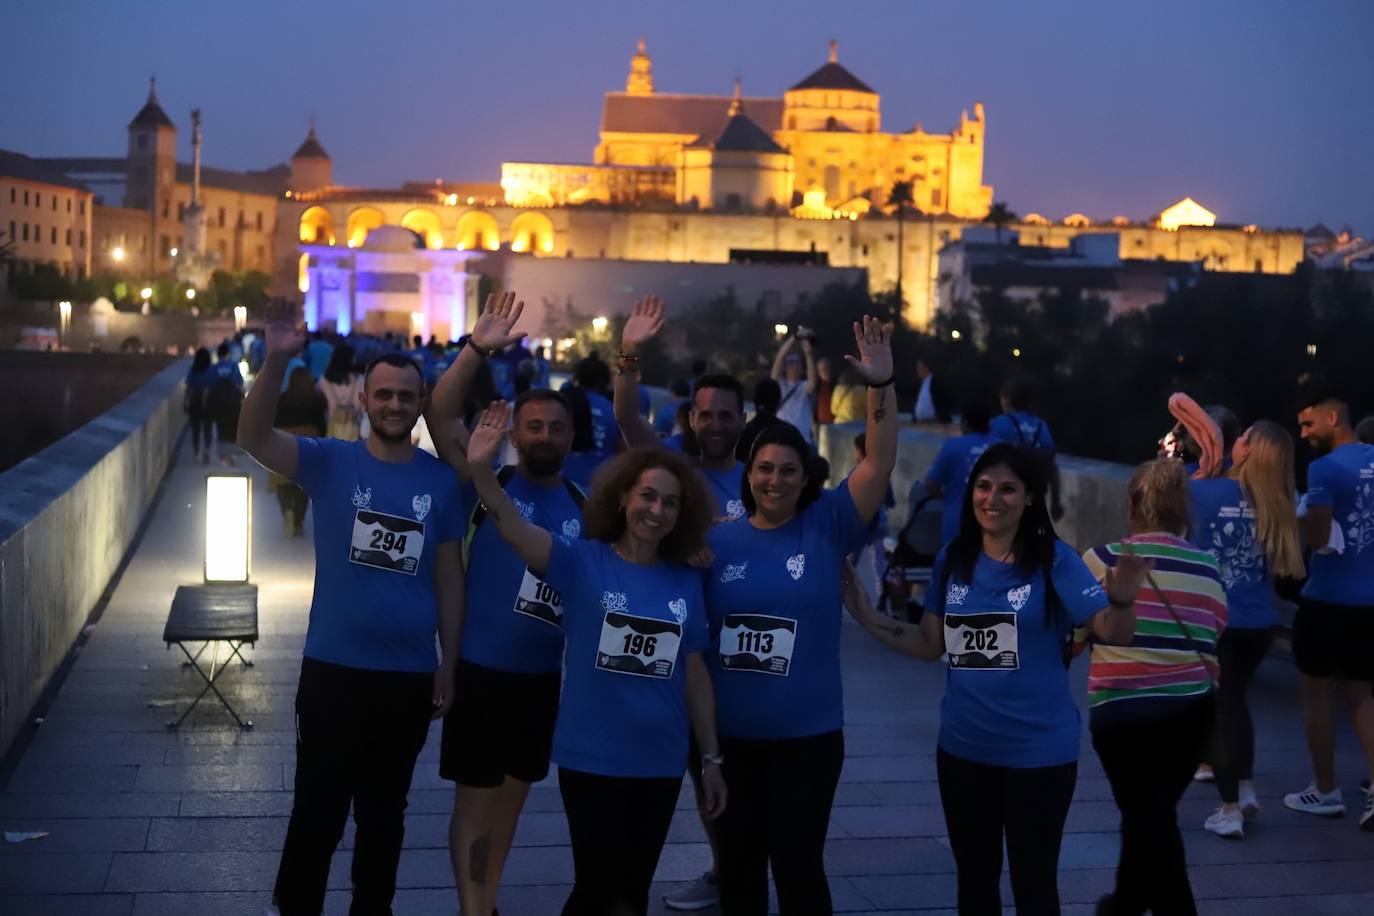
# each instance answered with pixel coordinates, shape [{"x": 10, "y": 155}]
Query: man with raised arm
[
  {"x": 388, "y": 577},
  {"x": 499, "y": 739},
  {"x": 716, "y": 418}
]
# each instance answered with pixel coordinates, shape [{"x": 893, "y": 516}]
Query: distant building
[
  {"x": 45, "y": 216},
  {"x": 1091, "y": 264}
]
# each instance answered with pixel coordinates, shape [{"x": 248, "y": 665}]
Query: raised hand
[
  {"x": 643, "y": 324},
  {"x": 874, "y": 341},
  {"x": 484, "y": 444},
  {"x": 492, "y": 330},
  {"x": 285, "y": 333},
  {"x": 1124, "y": 579}
]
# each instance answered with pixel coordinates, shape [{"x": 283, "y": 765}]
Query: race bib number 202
[
  {"x": 641, "y": 646},
  {"x": 982, "y": 641},
  {"x": 387, "y": 542}
]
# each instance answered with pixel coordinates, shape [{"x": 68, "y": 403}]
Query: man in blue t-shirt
[
  {"x": 948, "y": 475},
  {"x": 1020, "y": 425},
  {"x": 388, "y": 579},
  {"x": 499, "y": 742},
  {"x": 1333, "y": 632}
]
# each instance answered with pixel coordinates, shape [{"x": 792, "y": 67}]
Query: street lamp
[
  {"x": 117, "y": 254},
  {"x": 1016, "y": 351},
  {"x": 240, "y": 317},
  {"x": 780, "y": 330},
  {"x": 64, "y": 320},
  {"x": 146, "y": 293},
  {"x": 955, "y": 334},
  {"x": 191, "y": 294},
  {"x": 228, "y": 532},
  {"x": 599, "y": 324}
]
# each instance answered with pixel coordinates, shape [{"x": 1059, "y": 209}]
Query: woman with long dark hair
[
  {"x": 773, "y": 594},
  {"x": 1248, "y": 520},
  {"x": 1005, "y": 596},
  {"x": 198, "y": 381},
  {"x": 634, "y": 675}
]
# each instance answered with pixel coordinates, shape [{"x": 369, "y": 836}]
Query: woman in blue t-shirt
[
  {"x": 1248, "y": 521},
  {"x": 198, "y": 381},
  {"x": 1005, "y": 595},
  {"x": 773, "y": 594},
  {"x": 633, "y": 669}
]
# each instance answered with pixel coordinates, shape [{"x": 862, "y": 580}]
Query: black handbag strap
[{"x": 1197, "y": 647}]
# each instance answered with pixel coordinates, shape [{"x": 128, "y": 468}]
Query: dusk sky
[{"x": 1259, "y": 109}]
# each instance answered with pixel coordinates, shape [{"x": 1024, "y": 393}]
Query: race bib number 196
[
  {"x": 640, "y": 646},
  {"x": 387, "y": 542},
  {"x": 982, "y": 641}
]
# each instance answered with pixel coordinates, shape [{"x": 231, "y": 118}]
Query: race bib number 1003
[
  {"x": 641, "y": 646},
  {"x": 387, "y": 542},
  {"x": 982, "y": 641},
  {"x": 539, "y": 599}
]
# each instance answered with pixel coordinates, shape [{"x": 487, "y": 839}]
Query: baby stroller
[{"x": 911, "y": 556}]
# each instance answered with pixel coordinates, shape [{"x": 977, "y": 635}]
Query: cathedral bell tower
[{"x": 641, "y": 79}]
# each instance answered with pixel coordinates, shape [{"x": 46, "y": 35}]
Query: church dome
[
  {"x": 392, "y": 240},
  {"x": 832, "y": 75}
]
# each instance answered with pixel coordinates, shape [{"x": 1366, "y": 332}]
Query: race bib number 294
[{"x": 387, "y": 542}]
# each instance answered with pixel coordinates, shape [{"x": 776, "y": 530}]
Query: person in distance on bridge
[{"x": 388, "y": 577}]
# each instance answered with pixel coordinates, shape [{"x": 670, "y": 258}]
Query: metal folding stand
[{"x": 210, "y": 615}]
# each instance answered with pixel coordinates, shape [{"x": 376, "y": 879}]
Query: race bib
[
  {"x": 755, "y": 642},
  {"x": 387, "y": 542},
  {"x": 982, "y": 641},
  {"x": 539, "y": 599},
  {"x": 640, "y": 646}
]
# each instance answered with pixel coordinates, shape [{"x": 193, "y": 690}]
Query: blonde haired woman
[
  {"x": 1151, "y": 703},
  {"x": 1248, "y": 521}
]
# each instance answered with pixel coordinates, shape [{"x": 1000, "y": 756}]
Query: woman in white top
[{"x": 798, "y": 385}]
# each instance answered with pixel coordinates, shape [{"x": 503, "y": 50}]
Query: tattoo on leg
[
  {"x": 880, "y": 411},
  {"x": 478, "y": 854}
]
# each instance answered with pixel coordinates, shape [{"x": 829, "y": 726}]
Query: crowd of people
[{"x": 569, "y": 579}]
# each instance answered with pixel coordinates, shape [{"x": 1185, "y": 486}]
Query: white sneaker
[
  {"x": 1229, "y": 824},
  {"x": 1249, "y": 804},
  {"x": 702, "y": 893},
  {"x": 1310, "y": 801},
  {"x": 1367, "y": 819},
  {"x": 1204, "y": 774}
]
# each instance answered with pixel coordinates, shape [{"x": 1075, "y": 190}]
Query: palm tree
[
  {"x": 999, "y": 216},
  {"x": 901, "y": 196}
]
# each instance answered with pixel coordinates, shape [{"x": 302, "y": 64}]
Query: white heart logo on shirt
[
  {"x": 1018, "y": 596},
  {"x": 796, "y": 565},
  {"x": 421, "y": 506},
  {"x": 679, "y": 608}
]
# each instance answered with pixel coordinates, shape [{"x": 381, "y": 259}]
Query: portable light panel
[{"x": 228, "y": 527}]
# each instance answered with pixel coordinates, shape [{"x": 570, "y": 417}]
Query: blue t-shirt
[
  {"x": 1222, "y": 522},
  {"x": 514, "y": 619},
  {"x": 605, "y": 431},
  {"x": 1021, "y": 427},
  {"x": 724, "y": 487},
  {"x": 1344, "y": 480},
  {"x": 665, "y": 418},
  {"x": 317, "y": 356},
  {"x": 774, "y": 597},
  {"x": 226, "y": 370},
  {"x": 953, "y": 464},
  {"x": 580, "y": 467},
  {"x": 1007, "y": 697},
  {"x": 629, "y": 630},
  {"x": 377, "y": 526}
]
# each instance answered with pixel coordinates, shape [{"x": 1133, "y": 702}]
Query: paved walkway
[{"x": 145, "y": 821}]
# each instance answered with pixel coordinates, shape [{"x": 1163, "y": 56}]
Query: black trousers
[
  {"x": 982, "y": 803},
  {"x": 1240, "y": 653},
  {"x": 358, "y": 733},
  {"x": 1150, "y": 763},
  {"x": 201, "y": 431},
  {"x": 618, "y": 825},
  {"x": 781, "y": 791}
]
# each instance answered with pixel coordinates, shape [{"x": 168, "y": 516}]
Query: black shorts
[
  {"x": 500, "y": 724},
  {"x": 1334, "y": 640}
]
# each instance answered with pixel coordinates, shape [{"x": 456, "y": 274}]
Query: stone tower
[
  {"x": 641, "y": 79},
  {"x": 150, "y": 169},
  {"x": 311, "y": 167}
]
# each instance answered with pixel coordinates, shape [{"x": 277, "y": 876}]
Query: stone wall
[
  {"x": 1094, "y": 492},
  {"x": 67, "y": 517}
]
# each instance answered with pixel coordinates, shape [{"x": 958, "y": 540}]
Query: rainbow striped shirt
[{"x": 1160, "y": 668}]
